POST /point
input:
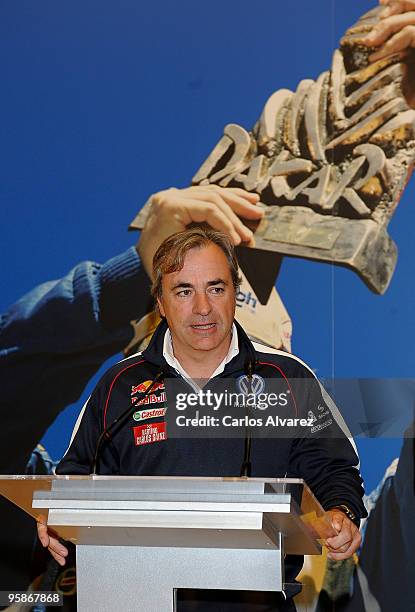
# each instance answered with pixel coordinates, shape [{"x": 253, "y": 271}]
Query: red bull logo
[
  {"x": 149, "y": 399},
  {"x": 144, "y": 386},
  {"x": 157, "y": 386}
]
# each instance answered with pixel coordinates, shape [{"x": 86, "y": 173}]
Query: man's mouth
[{"x": 203, "y": 326}]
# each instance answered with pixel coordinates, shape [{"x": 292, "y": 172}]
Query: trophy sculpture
[{"x": 329, "y": 161}]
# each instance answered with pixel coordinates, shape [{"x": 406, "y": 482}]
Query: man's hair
[{"x": 170, "y": 255}]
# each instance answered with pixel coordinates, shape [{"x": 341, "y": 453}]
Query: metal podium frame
[{"x": 141, "y": 538}]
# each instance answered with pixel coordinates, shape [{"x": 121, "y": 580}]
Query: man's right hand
[
  {"x": 173, "y": 210},
  {"x": 49, "y": 541}
]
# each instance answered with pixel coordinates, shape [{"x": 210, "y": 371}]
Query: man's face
[{"x": 198, "y": 302}]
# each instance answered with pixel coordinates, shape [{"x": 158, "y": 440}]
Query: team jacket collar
[{"x": 154, "y": 351}]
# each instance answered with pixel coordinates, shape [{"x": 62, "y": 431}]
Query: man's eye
[
  {"x": 184, "y": 292},
  {"x": 217, "y": 290}
]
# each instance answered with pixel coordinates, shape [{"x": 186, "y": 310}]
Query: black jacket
[
  {"x": 328, "y": 463},
  {"x": 326, "y": 459}
]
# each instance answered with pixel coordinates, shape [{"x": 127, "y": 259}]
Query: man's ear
[{"x": 160, "y": 307}]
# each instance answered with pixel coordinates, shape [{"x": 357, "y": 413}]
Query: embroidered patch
[
  {"x": 142, "y": 387},
  {"x": 149, "y": 413},
  {"x": 149, "y": 399},
  {"x": 254, "y": 386},
  {"x": 149, "y": 433}
]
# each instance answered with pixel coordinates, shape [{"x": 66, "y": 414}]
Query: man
[
  {"x": 195, "y": 281},
  {"x": 56, "y": 337}
]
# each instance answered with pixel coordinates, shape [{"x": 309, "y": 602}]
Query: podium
[{"x": 139, "y": 539}]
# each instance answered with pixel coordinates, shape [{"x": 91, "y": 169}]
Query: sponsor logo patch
[
  {"x": 311, "y": 416},
  {"x": 149, "y": 433},
  {"x": 149, "y": 399},
  {"x": 321, "y": 426},
  {"x": 142, "y": 387},
  {"x": 149, "y": 413},
  {"x": 256, "y": 386}
]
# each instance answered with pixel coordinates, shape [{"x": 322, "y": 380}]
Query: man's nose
[{"x": 201, "y": 304}]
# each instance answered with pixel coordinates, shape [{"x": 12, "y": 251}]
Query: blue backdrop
[{"x": 105, "y": 102}]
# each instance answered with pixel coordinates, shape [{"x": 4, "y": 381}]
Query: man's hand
[
  {"x": 347, "y": 540},
  {"x": 173, "y": 210},
  {"x": 56, "y": 549}
]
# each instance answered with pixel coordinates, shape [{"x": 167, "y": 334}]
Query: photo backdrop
[{"x": 104, "y": 103}]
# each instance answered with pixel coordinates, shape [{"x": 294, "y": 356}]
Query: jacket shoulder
[
  {"x": 124, "y": 365},
  {"x": 290, "y": 362}
]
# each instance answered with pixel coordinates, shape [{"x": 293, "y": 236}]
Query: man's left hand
[{"x": 347, "y": 540}]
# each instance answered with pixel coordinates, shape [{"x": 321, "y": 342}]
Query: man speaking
[{"x": 195, "y": 279}]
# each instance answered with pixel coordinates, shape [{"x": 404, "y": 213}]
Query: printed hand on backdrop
[
  {"x": 395, "y": 33},
  {"x": 174, "y": 209}
]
